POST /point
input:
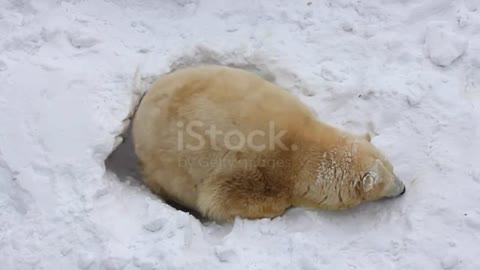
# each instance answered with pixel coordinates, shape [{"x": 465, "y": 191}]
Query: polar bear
[{"x": 227, "y": 143}]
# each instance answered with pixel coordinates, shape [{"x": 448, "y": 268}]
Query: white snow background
[{"x": 407, "y": 71}]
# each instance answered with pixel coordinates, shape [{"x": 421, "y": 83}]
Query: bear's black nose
[{"x": 403, "y": 191}]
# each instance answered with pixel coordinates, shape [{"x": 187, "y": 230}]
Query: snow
[
  {"x": 443, "y": 46},
  {"x": 406, "y": 71}
]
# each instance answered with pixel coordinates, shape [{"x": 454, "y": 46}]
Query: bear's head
[
  {"x": 375, "y": 177},
  {"x": 350, "y": 172}
]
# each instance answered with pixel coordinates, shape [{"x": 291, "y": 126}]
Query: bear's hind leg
[{"x": 247, "y": 194}]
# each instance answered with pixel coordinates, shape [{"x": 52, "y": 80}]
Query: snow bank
[
  {"x": 443, "y": 46},
  {"x": 407, "y": 71}
]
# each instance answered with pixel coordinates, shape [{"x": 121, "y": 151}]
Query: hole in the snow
[{"x": 124, "y": 164}]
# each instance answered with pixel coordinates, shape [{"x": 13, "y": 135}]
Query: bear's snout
[
  {"x": 397, "y": 189},
  {"x": 400, "y": 187}
]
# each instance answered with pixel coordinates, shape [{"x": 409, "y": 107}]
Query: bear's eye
[{"x": 368, "y": 180}]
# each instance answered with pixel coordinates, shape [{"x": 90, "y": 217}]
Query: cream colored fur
[{"x": 321, "y": 167}]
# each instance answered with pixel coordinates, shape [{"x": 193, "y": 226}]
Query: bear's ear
[
  {"x": 367, "y": 137},
  {"x": 370, "y": 179}
]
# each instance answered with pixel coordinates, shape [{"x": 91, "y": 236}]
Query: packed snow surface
[{"x": 70, "y": 71}]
